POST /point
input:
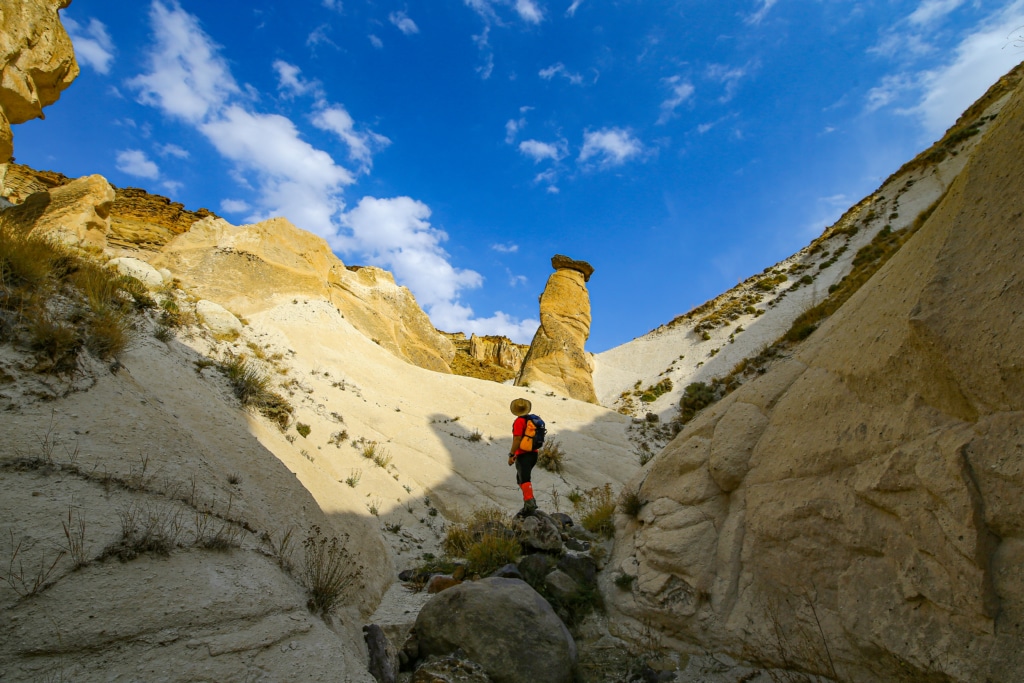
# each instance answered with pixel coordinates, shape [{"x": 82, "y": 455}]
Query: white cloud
[
  {"x": 705, "y": 127},
  {"x": 333, "y": 4},
  {"x": 235, "y": 206},
  {"x": 172, "y": 150},
  {"x": 560, "y": 70},
  {"x": 758, "y": 16},
  {"x": 396, "y": 234},
  {"x": 135, "y": 162},
  {"x": 516, "y": 280},
  {"x": 512, "y": 128},
  {"x": 375, "y": 41},
  {"x": 92, "y": 43},
  {"x": 528, "y": 11},
  {"x": 319, "y": 37},
  {"x": 980, "y": 59},
  {"x": 548, "y": 177},
  {"x": 573, "y": 7},
  {"x": 539, "y": 151},
  {"x": 729, "y": 76},
  {"x": 294, "y": 178},
  {"x": 483, "y": 44},
  {"x": 931, "y": 11},
  {"x": 186, "y": 78},
  {"x": 290, "y": 81},
  {"x": 681, "y": 91},
  {"x": 509, "y": 248},
  {"x": 891, "y": 89},
  {"x": 610, "y": 147},
  {"x": 403, "y": 23},
  {"x": 172, "y": 187},
  {"x": 361, "y": 146}
]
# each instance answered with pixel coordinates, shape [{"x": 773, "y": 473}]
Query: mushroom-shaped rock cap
[{"x": 559, "y": 261}]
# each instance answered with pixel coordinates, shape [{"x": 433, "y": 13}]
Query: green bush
[
  {"x": 696, "y": 397},
  {"x": 303, "y": 429}
]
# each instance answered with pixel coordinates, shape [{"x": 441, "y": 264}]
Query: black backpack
[{"x": 539, "y": 433}]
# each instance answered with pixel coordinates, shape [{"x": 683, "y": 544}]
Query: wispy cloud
[
  {"x": 560, "y": 70},
  {"x": 541, "y": 151},
  {"x": 681, "y": 91},
  {"x": 609, "y": 147},
  {"x": 509, "y": 248},
  {"x": 290, "y": 81},
  {"x": 978, "y": 61},
  {"x": 527, "y": 10},
  {"x": 235, "y": 206},
  {"x": 571, "y": 12},
  {"x": 92, "y": 43},
  {"x": 891, "y": 89},
  {"x": 172, "y": 150},
  {"x": 728, "y": 76},
  {"x": 375, "y": 41},
  {"x": 758, "y": 16},
  {"x": 403, "y": 23},
  {"x": 333, "y": 4},
  {"x": 931, "y": 11},
  {"x": 512, "y": 128},
  {"x": 134, "y": 162}
]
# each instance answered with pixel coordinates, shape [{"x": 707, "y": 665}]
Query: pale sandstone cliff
[
  {"x": 77, "y": 213},
  {"x": 36, "y": 63},
  {"x": 251, "y": 268},
  {"x": 857, "y": 512},
  {"x": 556, "y": 358}
]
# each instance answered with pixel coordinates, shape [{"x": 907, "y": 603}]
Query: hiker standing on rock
[{"x": 528, "y": 433}]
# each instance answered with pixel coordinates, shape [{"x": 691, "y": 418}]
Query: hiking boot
[{"x": 530, "y": 506}]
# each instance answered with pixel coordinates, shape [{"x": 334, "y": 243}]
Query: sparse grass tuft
[
  {"x": 56, "y": 344},
  {"x": 353, "y": 479},
  {"x": 327, "y": 571},
  {"x": 630, "y": 503},
  {"x": 596, "y": 508},
  {"x": 252, "y": 388},
  {"x": 551, "y": 456}
]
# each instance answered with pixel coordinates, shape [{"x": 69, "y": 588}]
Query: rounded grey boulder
[{"x": 503, "y": 625}]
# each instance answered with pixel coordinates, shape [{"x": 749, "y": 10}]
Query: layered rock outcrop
[
  {"x": 500, "y": 351},
  {"x": 556, "y": 358},
  {"x": 37, "y": 62},
  {"x": 253, "y": 267},
  {"x": 857, "y": 512},
  {"x": 77, "y": 213}
]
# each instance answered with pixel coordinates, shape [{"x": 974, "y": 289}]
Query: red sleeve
[{"x": 519, "y": 426}]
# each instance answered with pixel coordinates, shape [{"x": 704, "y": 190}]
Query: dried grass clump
[
  {"x": 551, "y": 456},
  {"x": 596, "y": 508},
  {"x": 327, "y": 571},
  {"x": 252, "y": 388}
]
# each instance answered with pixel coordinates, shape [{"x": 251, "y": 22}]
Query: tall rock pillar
[{"x": 556, "y": 357}]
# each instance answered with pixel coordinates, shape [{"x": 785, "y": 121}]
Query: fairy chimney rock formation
[
  {"x": 556, "y": 358},
  {"x": 36, "y": 63}
]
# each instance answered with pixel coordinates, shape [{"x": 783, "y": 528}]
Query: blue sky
[{"x": 677, "y": 146}]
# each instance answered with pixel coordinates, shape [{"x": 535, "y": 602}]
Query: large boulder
[
  {"x": 503, "y": 625},
  {"x": 252, "y": 267},
  {"x": 77, "y": 213},
  {"x": 37, "y": 62},
  {"x": 857, "y": 511},
  {"x": 556, "y": 358}
]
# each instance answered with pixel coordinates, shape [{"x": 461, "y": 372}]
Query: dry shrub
[
  {"x": 493, "y": 551},
  {"x": 327, "y": 571},
  {"x": 109, "y": 332},
  {"x": 56, "y": 345},
  {"x": 252, "y": 388},
  {"x": 551, "y": 456},
  {"x": 596, "y": 507}
]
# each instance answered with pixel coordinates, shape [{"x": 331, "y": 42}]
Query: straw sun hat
[{"x": 520, "y": 407}]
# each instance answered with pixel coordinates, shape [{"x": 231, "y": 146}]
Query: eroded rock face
[
  {"x": 866, "y": 497},
  {"x": 76, "y": 213},
  {"x": 556, "y": 358},
  {"x": 480, "y": 617},
  {"x": 252, "y": 267},
  {"x": 500, "y": 351},
  {"x": 37, "y": 62}
]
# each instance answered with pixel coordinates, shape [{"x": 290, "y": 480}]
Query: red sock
[{"x": 527, "y": 491}]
